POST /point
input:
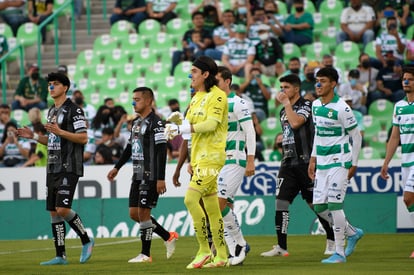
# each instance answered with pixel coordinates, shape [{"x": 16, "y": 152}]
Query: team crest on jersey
[{"x": 330, "y": 113}]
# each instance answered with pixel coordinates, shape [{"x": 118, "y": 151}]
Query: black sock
[
  {"x": 159, "y": 230},
  {"x": 77, "y": 226},
  {"x": 146, "y": 238},
  {"x": 282, "y": 222},
  {"x": 59, "y": 233},
  {"x": 328, "y": 228}
]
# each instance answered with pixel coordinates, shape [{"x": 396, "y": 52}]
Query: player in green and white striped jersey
[
  {"x": 241, "y": 135},
  {"x": 403, "y": 130},
  {"x": 334, "y": 160}
]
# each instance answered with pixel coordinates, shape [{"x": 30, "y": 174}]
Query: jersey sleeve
[
  {"x": 217, "y": 105},
  {"x": 241, "y": 109},
  {"x": 78, "y": 120},
  {"x": 305, "y": 110},
  {"x": 347, "y": 118}
]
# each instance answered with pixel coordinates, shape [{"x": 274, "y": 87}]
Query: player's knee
[
  {"x": 282, "y": 205},
  {"x": 190, "y": 201},
  {"x": 134, "y": 215}
]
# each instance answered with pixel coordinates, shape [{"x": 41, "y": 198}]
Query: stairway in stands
[{"x": 99, "y": 26}]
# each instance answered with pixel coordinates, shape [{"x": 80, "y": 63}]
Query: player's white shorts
[
  {"x": 407, "y": 174},
  {"x": 330, "y": 185},
  {"x": 229, "y": 180}
]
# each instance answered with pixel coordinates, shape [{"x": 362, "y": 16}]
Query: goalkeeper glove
[
  {"x": 172, "y": 130},
  {"x": 176, "y": 117}
]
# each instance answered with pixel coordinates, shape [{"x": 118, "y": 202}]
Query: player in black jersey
[
  {"x": 147, "y": 146},
  {"x": 298, "y": 132},
  {"x": 66, "y": 127}
]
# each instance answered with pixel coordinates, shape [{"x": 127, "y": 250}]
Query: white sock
[
  {"x": 232, "y": 228},
  {"x": 339, "y": 228}
]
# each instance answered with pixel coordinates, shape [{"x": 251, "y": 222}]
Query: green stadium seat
[
  {"x": 370, "y": 49},
  {"x": 371, "y": 127},
  {"x": 348, "y": 53},
  {"x": 316, "y": 51},
  {"x": 291, "y": 50},
  {"x": 5, "y": 30},
  {"x": 270, "y": 126},
  {"x": 86, "y": 61},
  {"x": 134, "y": 43},
  {"x": 331, "y": 9},
  {"x": 21, "y": 117},
  {"x": 182, "y": 70},
  {"x": 112, "y": 87},
  {"x": 382, "y": 110},
  {"x": 99, "y": 76},
  {"x": 410, "y": 32},
  {"x": 27, "y": 34},
  {"x": 178, "y": 25},
  {"x": 369, "y": 153},
  {"x": 127, "y": 74},
  {"x": 104, "y": 44},
  {"x": 12, "y": 43},
  {"x": 58, "y": 3},
  {"x": 163, "y": 41},
  {"x": 149, "y": 26},
  {"x": 282, "y": 7},
  {"x": 309, "y": 6},
  {"x": 379, "y": 141},
  {"x": 121, "y": 30},
  {"x": 116, "y": 59},
  {"x": 328, "y": 36}
]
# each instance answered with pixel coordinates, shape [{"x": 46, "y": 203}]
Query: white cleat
[
  {"x": 275, "y": 251},
  {"x": 141, "y": 258}
]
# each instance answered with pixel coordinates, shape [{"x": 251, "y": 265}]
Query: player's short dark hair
[
  {"x": 146, "y": 91},
  {"x": 330, "y": 73},
  {"x": 225, "y": 73},
  {"x": 408, "y": 69},
  {"x": 62, "y": 78},
  {"x": 292, "y": 79}
]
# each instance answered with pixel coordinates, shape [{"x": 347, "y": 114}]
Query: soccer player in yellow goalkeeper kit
[{"x": 206, "y": 121}]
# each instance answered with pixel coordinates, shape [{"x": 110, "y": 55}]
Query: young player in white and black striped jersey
[
  {"x": 240, "y": 136},
  {"x": 403, "y": 129},
  {"x": 334, "y": 160}
]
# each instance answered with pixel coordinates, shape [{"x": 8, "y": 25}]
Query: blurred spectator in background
[
  {"x": 122, "y": 130},
  {"x": 222, "y": 34},
  {"x": 259, "y": 92},
  {"x": 103, "y": 156},
  {"x": 307, "y": 86},
  {"x": 257, "y": 19},
  {"x": 35, "y": 117},
  {"x": 14, "y": 150},
  {"x": 5, "y": 117},
  {"x": 108, "y": 141},
  {"x": 212, "y": 14},
  {"x": 389, "y": 82},
  {"x": 399, "y": 9},
  {"x": 32, "y": 91},
  {"x": 161, "y": 10},
  {"x": 359, "y": 117},
  {"x": 294, "y": 67},
  {"x": 38, "y": 153},
  {"x": 328, "y": 62},
  {"x": 367, "y": 76},
  {"x": 186, "y": 53},
  {"x": 269, "y": 53},
  {"x": 354, "y": 90},
  {"x": 357, "y": 23},
  {"x": 64, "y": 70},
  {"x": 298, "y": 27},
  {"x": 103, "y": 119},
  {"x": 409, "y": 53},
  {"x": 275, "y": 20},
  {"x": 78, "y": 9},
  {"x": 38, "y": 11},
  {"x": 277, "y": 153},
  {"x": 133, "y": 11},
  {"x": 382, "y": 15},
  {"x": 13, "y": 13},
  {"x": 238, "y": 52},
  {"x": 88, "y": 109},
  {"x": 109, "y": 102},
  {"x": 390, "y": 41}
]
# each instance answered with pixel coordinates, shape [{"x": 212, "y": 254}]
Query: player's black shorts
[
  {"x": 143, "y": 194},
  {"x": 291, "y": 180},
  {"x": 60, "y": 190}
]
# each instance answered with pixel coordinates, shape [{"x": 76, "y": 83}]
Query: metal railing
[
  {"x": 55, "y": 17},
  {"x": 3, "y": 62}
]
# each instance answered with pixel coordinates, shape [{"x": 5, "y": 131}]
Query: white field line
[{"x": 70, "y": 247}]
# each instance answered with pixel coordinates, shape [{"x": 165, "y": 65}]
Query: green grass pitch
[{"x": 375, "y": 254}]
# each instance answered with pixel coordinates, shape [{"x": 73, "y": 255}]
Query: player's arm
[
  {"x": 356, "y": 137},
  {"x": 392, "y": 145},
  {"x": 248, "y": 128}
]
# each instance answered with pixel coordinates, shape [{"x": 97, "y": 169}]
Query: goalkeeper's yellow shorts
[{"x": 204, "y": 179}]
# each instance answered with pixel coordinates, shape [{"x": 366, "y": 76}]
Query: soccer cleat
[
  {"x": 330, "y": 247},
  {"x": 87, "y": 251},
  {"x": 199, "y": 261},
  {"x": 141, "y": 258},
  {"x": 412, "y": 255},
  {"x": 217, "y": 263},
  {"x": 240, "y": 255},
  {"x": 55, "y": 261},
  {"x": 352, "y": 241},
  {"x": 170, "y": 244},
  {"x": 334, "y": 259},
  {"x": 275, "y": 251}
]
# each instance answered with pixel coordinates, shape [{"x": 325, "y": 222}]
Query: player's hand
[
  {"x": 176, "y": 178},
  {"x": 351, "y": 172},
  {"x": 311, "y": 170},
  {"x": 171, "y": 131},
  {"x": 384, "y": 172},
  {"x": 112, "y": 174},
  {"x": 161, "y": 188},
  {"x": 25, "y": 132},
  {"x": 176, "y": 117}
]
